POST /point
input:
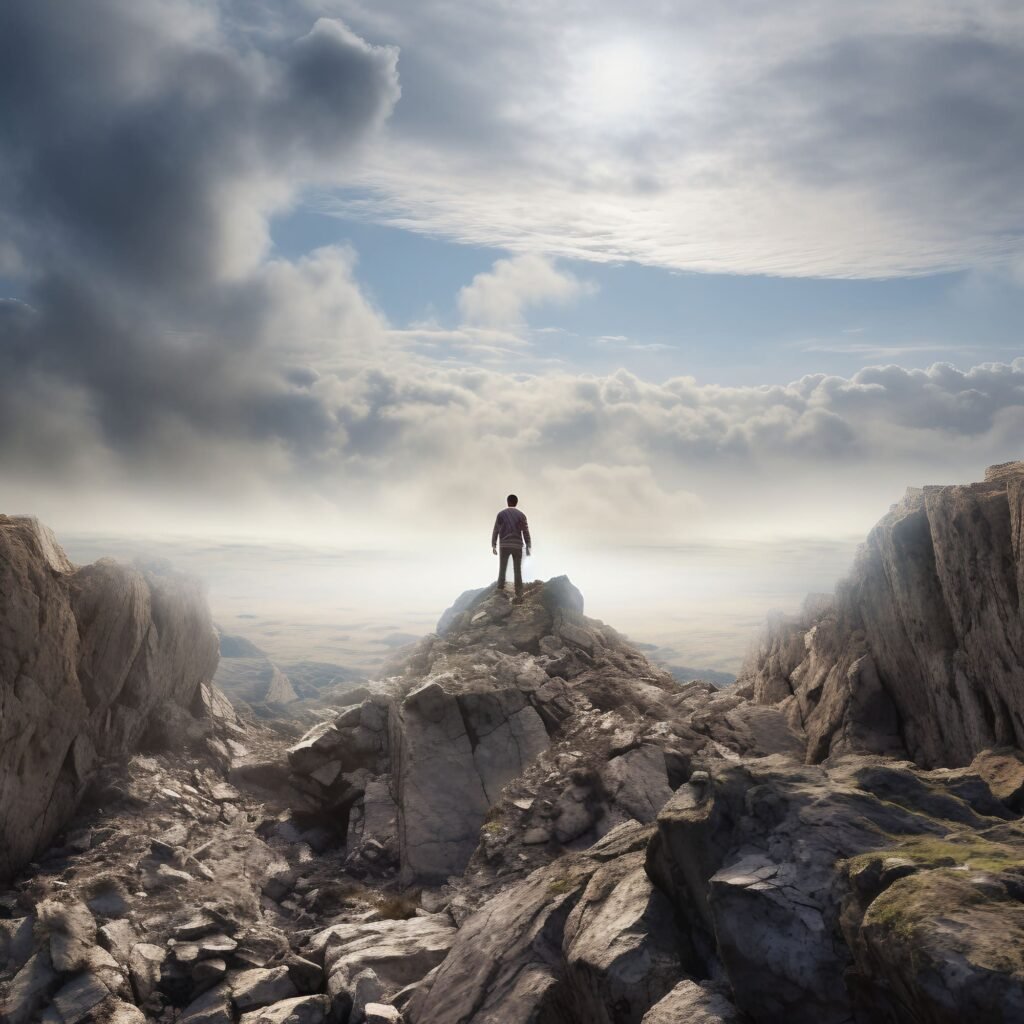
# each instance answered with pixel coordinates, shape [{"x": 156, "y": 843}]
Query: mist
[{"x": 700, "y": 606}]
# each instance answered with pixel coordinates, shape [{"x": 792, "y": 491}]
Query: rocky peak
[
  {"x": 515, "y": 729},
  {"x": 921, "y": 654}
]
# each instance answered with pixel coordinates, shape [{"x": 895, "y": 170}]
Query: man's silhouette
[{"x": 510, "y": 527}]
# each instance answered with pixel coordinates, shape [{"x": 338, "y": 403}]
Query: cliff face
[
  {"x": 922, "y": 650},
  {"x": 89, "y": 658}
]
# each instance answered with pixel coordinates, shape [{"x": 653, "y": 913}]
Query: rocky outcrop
[
  {"x": 417, "y": 769},
  {"x": 922, "y": 650},
  {"x": 90, "y": 658}
]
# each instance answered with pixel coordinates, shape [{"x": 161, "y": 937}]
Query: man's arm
[
  {"x": 494, "y": 533},
  {"x": 526, "y": 534}
]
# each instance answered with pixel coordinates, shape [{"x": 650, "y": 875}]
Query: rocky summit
[{"x": 524, "y": 821}]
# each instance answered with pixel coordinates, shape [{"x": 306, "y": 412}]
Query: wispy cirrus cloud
[{"x": 809, "y": 139}]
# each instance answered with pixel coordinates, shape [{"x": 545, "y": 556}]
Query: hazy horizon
[{"x": 700, "y": 606}]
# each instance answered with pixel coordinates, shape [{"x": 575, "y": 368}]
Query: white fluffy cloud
[{"x": 500, "y": 296}]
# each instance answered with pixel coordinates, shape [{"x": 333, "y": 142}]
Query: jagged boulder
[
  {"x": 777, "y": 869},
  {"x": 583, "y": 939},
  {"x": 922, "y": 650},
  {"x": 375, "y": 960},
  {"x": 89, "y": 658}
]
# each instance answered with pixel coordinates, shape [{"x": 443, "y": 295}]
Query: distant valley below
[{"x": 695, "y": 609}]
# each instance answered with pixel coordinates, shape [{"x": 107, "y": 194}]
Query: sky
[{"x": 347, "y": 272}]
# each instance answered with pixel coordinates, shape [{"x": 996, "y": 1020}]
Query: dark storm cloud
[
  {"x": 143, "y": 148},
  {"x": 148, "y": 151}
]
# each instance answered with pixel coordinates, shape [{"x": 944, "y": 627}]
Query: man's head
[{"x": 512, "y": 501}]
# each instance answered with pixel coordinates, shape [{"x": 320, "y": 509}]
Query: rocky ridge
[{"x": 526, "y": 821}]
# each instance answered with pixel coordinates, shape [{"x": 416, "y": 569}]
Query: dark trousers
[{"x": 516, "y": 554}]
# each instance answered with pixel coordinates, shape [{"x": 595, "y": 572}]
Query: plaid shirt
[{"x": 512, "y": 528}]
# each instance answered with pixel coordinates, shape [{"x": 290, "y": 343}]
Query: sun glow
[{"x": 614, "y": 83}]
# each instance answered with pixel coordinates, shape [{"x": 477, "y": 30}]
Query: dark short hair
[{"x": 512, "y": 499}]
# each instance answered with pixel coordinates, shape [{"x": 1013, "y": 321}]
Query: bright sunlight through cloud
[{"x": 613, "y": 84}]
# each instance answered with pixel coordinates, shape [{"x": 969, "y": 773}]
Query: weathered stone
[
  {"x": 212, "y": 1007},
  {"x": 316, "y": 748},
  {"x": 694, "y": 1004},
  {"x": 306, "y": 975},
  {"x": 116, "y": 1011},
  {"x": 638, "y": 782},
  {"x": 1003, "y": 771},
  {"x": 398, "y": 952},
  {"x": 16, "y": 941},
  {"x": 358, "y": 990},
  {"x": 440, "y": 792},
  {"x": 83, "y": 669},
  {"x": 144, "y": 964},
  {"x": 196, "y": 926},
  {"x": 78, "y": 997},
  {"x": 300, "y": 1010},
  {"x": 216, "y": 945},
  {"x": 186, "y": 953},
  {"x": 506, "y": 962},
  {"x": 327, "y": 774},
  {"x": 207, "y": 973},
  {"x": 951, "y": 943},
  {"x": 261, "y": 986},
  {"x": 506, "y": 734},
  {"x": 620, "y": 945},
  {"x": 923, "y": 646},
  {"x": 30, "y": 989},
  {"x": 163, "y": 876},
  {"x": 754, "y": 860}
]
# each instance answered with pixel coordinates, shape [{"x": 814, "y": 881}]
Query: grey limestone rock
[
  {"x": 693, "y": 1003},
  {"x": 507, "y": 961},
  {"x": 260, "y": 986},
  {"x": 922, "y": 650},
  {"x": 381, "y": 1013},
  {"x": 87, "y": 658},
  {"x": 314, "y": 1009},
  {"x": 761, "y": 860},
  {"x": 398, "y": 953}
]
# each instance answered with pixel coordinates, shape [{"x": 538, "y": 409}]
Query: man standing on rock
[{"x": 512, "y": 529}]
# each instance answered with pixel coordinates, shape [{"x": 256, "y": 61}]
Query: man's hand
[
  {"x": 494, "y": 550},
  {"x": 527, "y": 552}
]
